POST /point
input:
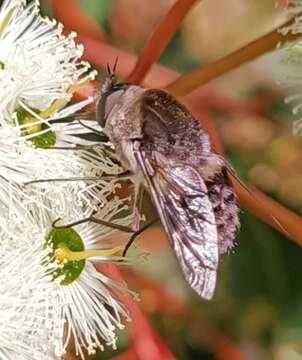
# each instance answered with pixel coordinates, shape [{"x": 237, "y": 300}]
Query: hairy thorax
[{"x": 123, "y": 121}]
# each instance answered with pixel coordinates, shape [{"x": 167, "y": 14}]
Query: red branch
[
  {"x": 160, "y": 39},
  {"x": 187, "y": 83}
]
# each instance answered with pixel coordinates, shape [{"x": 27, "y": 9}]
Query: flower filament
[{"x": 64, "y": 254}]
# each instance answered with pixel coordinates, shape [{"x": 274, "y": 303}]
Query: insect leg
[
  {"x": 84, "y": 115},
  {"x": 90, "y": 128},
  {"x": 137, "y": 233},
  {"x": 137, "y": 206},
  {"x": 76, "y": 147},
  {"x": 67, "y": 226},
  {"x": 94, "y": 220},
  {"x": 111, "y": 225},
  {"x": 124, "y": 175}
]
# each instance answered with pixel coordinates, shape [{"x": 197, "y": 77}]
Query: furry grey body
[{"x": 160, "y": 141}]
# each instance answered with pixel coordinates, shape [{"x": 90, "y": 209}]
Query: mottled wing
[{"x": 186, "y": 212}]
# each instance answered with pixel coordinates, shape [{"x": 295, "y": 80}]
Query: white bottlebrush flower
[
  {"x": 40, "y": 69},
  {"x": 45, "y": 288},
  {"x": 39, "y": 313},
  {"x": 38, "y": 64},
  {"x": 292, "y": 55},
  {"x": 294, "y": 6},
  {"x": 20, "y": 164},
  {"x": 31, "y": 322},
  {"x": 293, "y": 50}
]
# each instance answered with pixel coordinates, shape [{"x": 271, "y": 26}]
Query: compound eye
[
  {"x": 101, "y": 110},
  {"x": 106, "y": 104}
]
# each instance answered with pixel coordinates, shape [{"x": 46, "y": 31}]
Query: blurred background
[{"x": 257, "y": 307}]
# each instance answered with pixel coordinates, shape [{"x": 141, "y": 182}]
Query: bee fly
[{"x": 160, "y": 142}]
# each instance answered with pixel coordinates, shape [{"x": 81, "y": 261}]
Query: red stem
[
  {"x": 191, "y": 81},
  {"x": 160, "y": 39}
]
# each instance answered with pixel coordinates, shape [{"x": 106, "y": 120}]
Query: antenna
[{"x": 110, "y": 72}]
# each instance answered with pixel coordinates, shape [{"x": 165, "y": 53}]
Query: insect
[{"x": 168, "y": 152}]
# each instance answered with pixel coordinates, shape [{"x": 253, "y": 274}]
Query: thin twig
[{"x": 187, "y": 83}]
